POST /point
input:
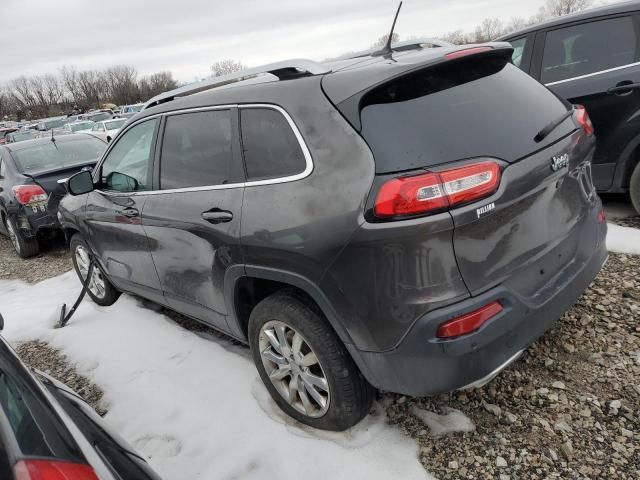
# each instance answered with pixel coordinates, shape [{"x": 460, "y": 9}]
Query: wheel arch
[
  {"x": 627, "y": 162},
  {"x": 260, "y": 282}
]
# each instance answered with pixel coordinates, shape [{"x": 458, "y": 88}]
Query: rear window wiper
[{"x": 544, "y": 133}]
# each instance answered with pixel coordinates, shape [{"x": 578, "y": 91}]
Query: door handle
[
  {"x": 215, "y": 215},
  {"x": 623, "y": 88},
  {"x": 130, "y": 212}
]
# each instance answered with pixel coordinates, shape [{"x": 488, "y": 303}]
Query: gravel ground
[
  {"x": 52, "y": 362},
  {"x": 51, "y": 262},
  {"x": 569, "y": 408}
]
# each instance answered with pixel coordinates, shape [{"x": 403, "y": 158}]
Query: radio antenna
[{"x": 386, "y": 50}]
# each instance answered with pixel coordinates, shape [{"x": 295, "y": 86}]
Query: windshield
[
  {"x": 115, "y": 124},
  {"x": 51, "y": 156},
  {"x": 100, "y": 116},
  {"x": 132, "y": 108},
  {"x": 17, "y": 136},
  {"x": 49, "y": 124},
  {"x": 75, "y": 127}
]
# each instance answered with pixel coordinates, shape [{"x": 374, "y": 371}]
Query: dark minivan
[
  {"x": 409, "y": 221},
  {"x": 593, "y": 58}
]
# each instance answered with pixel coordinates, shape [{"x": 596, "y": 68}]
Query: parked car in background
[
  {"x": 29, "y": 189},
  {"x": 107, "y": 129},
  {"x": 81, "y": 126},
  {"x": 48, "y": 432},
  {"x": 20, "y": 135},
  {"x": 410, "y": 223},
  {"x": 4, "y": 132},
  {"x": 128, "y": 111},
  {"x": 593, "y": 58},
  {"x": 97, "y": 116},
  {"x": 51, "y": 123}
]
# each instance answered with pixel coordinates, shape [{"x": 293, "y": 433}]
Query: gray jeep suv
[{"x": 407, "y": 222}]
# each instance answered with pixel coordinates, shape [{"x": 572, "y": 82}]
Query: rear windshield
[
  {"x": 478, "y": 107},
  {"x": 47, "y": 156}
]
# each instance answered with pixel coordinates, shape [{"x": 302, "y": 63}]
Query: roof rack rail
[
  {"x": 283, "y": 70},
  {"x": 413, "y": 44}
]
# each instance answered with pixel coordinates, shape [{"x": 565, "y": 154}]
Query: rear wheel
[
  {"x": 100, "y": 289},
  {"x": 634, "y": 188},
  {"x": 25, "y": 246},
  {"x": 304, "y": 365}
]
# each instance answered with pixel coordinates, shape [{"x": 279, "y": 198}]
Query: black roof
[
  {"x": 622, "y": 7},
  {"x": 26, "y": 144}
]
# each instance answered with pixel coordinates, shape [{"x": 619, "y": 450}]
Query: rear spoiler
[{"x": 347, "y": 92}]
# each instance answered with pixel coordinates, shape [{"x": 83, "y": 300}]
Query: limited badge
[{"x": 487, "y": 208}]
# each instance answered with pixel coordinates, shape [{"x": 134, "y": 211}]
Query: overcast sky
[{"x": 187, "y": 36}]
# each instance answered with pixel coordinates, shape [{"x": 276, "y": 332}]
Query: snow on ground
[
  {"x": 194, "y": 405},
  {"x": 623, "y": 239},
  {"x": 450, "y": 422}
]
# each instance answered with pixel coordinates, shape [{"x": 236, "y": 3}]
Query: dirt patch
[
  {"x": 53, "y": 260},
  {"x": 42, "y": 357}
]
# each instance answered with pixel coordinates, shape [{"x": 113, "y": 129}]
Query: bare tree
[
  {"x": 382, "y": 41},
  {"x": 225, "y": 67},
  {"x": 488, "y": 30},
  {"x": 557, "y": 8},
  {"x": 457, "y": 37},
  {"x": 154, "y": 84},
  {"x": 516, "y": 23}
]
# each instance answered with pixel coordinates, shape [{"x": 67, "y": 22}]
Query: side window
[
  {"x": 588, "y": 48},
  {"x": 126, "y": 168},
  {"x": 196, "y": 150},
  {"x": 518, "y": 51},
  {"x": 271, "y": 149}
]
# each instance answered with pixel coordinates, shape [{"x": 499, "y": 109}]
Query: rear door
[
  {"x": 596, "y": 63},
  {"x": 193, "y": 218}
]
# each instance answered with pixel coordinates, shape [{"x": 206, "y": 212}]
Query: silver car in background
[{"x": 108, "y": 129}]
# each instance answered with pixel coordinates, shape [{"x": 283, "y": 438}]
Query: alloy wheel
[
  {"x": 294, "y": 369},
  {"x": 96, "y": 284}
]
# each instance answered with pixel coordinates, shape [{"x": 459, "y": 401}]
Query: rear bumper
[
  {"x": 423, "y": 364},
  {"x": 32, "y": 223}
]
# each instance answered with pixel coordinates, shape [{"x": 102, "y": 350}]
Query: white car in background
[
  {"x": 107, "y": 129},
  {"x": 81, "y": 126}
]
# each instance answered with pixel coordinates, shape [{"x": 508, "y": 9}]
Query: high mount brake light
[
  {"x": 27, "y": 194},
  {"x": 437, "y": 191},
  {"x": 53, "y": 470},
  {"x": 582, "y": 117},
  {"x": 466, "y": 52},
  {"x": 469, "y": 322}
]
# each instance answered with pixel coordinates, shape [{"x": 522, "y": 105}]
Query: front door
[
  {"x": 595, "y": 64},
  {"x": 114, "y": 212},
  {"x": 193, "y": 218}
]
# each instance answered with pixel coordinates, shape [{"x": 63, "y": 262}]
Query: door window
[
  {"x": 588, "y": 48},
  {"x": 196, "y": 150},
  {"x": 518, "y": 51},
  {"x": 271, "y": 149},
  {"x": 126, "y": 168}
]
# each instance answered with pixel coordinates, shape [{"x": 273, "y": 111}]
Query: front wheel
[
  {"x": 304, "y": 365},
  {"x": 25, "y": 246},
  {"x": 634, "y": 188},
  {"x": 99, "y": 289}
]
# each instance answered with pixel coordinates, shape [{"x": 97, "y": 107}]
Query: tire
[
  {"x": 634, "y": 188},
  {"x": 25, "y": 246},
  {"x": 100, "y": 289},
  {"x": 348, "y": 396}
]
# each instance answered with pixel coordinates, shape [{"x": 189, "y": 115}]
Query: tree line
[{"x": 56, "y": 94}]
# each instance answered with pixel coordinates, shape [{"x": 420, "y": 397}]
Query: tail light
[
  {"x": 602, "y": 216},
  {"x": 27, "y": 194},
  {"x": 582, "y": 117},
  {"x": 470, "y": 322},
  {"x": 53, "y": 470},
  {"x": 437, "y": 191}
]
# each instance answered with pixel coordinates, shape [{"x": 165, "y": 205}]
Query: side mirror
[{"x": 80, "y": 183}]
